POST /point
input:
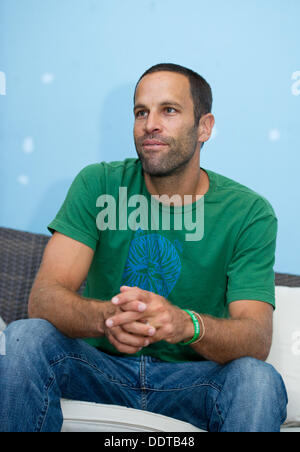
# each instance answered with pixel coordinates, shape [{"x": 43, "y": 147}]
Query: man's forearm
[
  {"x": 247, "y": 333},
  {"x": 72, "y": 314},
  {"x": 229, "y": 339}
]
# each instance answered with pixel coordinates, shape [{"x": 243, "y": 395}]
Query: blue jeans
[{"x": 39, "y": 365}]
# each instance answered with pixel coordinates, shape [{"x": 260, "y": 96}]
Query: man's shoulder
[
  {"x": 105, "y": 175},
  {"x": 243, "y": 194},
  {"x": 111, "y": 167}
]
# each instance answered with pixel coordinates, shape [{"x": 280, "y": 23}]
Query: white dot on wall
[
  {"x": 47, "y": 78},
  {"x": 274, "y": 135},
  {"x": 2, "y": 84},
  {"x": 23, "y": 179},
  {"x": 295, "y": 88},
  {"x": 28, "y": 145}
]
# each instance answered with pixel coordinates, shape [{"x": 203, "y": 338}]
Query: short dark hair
[{"x": 200, "y": 89}]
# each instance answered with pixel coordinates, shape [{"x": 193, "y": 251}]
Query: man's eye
[
  {"x": 140, "y": 114},
  {"x": 170, "y": 110}
]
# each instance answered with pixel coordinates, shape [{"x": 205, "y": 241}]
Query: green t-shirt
[{"x": 232, "y": 258}]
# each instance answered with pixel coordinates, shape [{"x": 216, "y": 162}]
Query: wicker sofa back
[{"x": 20, "y": 258}]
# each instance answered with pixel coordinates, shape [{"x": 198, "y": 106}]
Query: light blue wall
[{"x": 67, "y": 73}]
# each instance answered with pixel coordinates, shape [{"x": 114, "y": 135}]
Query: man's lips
[{"x": 153, "y": 143}]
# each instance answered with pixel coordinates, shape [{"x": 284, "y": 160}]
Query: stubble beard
[{"x": 171, "y": 160}]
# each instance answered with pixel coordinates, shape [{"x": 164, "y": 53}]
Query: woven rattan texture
[
  {"x": 283, "y": 279},
  {"x": 20, "y": 257}
]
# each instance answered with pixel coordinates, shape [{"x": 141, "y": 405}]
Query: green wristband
[{"x": 196, "y": 328}]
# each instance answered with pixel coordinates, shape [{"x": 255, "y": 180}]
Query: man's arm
[
  {"x": 53, "y": 297},
  {"x": 248, "y": 331}
]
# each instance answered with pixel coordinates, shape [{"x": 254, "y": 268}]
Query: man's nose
[{"x": 153, "y": 123}]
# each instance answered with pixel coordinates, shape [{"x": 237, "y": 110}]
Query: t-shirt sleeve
[
  {"x": 77, "y": 216},
  {"x": 250, "y": 273}
]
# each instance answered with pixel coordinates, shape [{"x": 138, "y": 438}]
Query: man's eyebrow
[
  {"x": 162, "y": 104},
  {"x": 138, "y": 106},
  {"x": 171, "y": 102}
]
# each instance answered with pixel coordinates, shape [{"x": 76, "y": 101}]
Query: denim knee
[
  {"x": 28, "y": 335},
  {"x": 259, "y": 379},
  {"x": 255, "y": 374},
  {"x": 253, "y": 397}
]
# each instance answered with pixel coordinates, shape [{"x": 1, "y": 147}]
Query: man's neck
[{"x": 194, "y": 182}]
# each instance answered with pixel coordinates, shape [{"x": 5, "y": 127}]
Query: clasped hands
[{"x": 141, "y": 318}]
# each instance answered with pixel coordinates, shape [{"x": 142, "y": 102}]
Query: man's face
[{"x": 165, "y": 134}]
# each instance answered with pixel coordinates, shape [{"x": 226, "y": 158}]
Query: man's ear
[{"x": 205, "y": 127}]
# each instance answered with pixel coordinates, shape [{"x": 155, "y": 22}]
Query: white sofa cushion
[
  {"x": 93, "y": 417},
  {"x": 285, "y": 350}
]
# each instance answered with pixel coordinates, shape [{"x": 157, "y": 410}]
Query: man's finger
[
  {"x": 130, "y": 295},
  {"x": 139, "y": 328},
  {"x": 122, "y": 318},
  {"x": 123, "y": 348},
  {"x": 137, "y": 306},
  {"x": 123, "y": 337}
]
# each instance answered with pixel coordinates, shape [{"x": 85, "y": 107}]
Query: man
[{"x": 172, "y": 323}]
